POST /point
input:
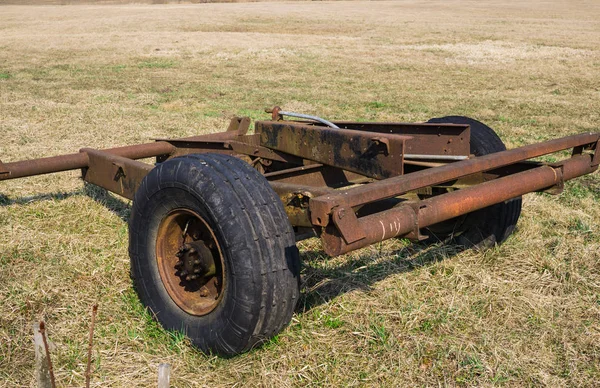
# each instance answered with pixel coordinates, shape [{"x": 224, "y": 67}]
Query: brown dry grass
[{"x": 394, "y": 314}]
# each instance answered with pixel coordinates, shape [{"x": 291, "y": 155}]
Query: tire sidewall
[{"x": 149, "y": 211}]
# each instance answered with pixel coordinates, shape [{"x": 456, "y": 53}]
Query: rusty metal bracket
[
  {"x": 239, "y": 125},
  {"x": 559, "y": 187},
  {"x": 115, "y": 173},
  {"x": 347, "y": 223},
  {"x": 416, "y": 234}
]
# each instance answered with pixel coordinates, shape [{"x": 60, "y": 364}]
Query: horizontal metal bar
[
  {"x": 435, "y": 157},
  {"x": 293, "y": 170},
  {"x": 426, "y": 138},
  {"x": 321, "y": 207},
  {"x": 404, "y": 219},
  {"x": 80, "y": 160},
  {"x": 290, "y": 188}
]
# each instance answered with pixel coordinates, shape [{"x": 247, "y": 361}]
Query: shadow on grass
[
  {"x": 121, "y": 208},
  {"x": 321, "y": 285},
  {"x": 118, "y": 206},
  {"x": 6, "y": 201}
]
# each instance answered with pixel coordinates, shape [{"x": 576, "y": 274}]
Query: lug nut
[
  {"x": 197, "y": 261},
  {"x": 188, "y": 278},
  {"x": 192, "y": 251},
  {"x": 184, "y": 273},
  {"x": 197, "y": 270}
]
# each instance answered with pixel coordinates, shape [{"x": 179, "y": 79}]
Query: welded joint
[
  {"x": 347, "y": 223},
  {"x": 559, "y": 187},
  {"x": 415, "y": 234}
]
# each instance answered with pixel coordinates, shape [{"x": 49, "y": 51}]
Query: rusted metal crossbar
[{"x": 81, "y": 160}]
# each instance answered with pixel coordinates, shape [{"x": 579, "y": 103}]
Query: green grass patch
[{"x": 156, "y": 64}]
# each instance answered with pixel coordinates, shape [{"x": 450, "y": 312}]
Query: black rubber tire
[
  {"x": 494, "y": 224},
  {"x": 261, "y": 259}
]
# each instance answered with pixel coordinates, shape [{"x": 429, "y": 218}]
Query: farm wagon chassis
[{"x": 214, "y": 222}]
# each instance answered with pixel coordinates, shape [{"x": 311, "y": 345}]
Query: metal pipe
[
  {"x": 321, "y": 207},
  {"x": 404, "y": 219},
  {"x": 435, "y": 157},
  {"x": 80, "y": 160},
  {"x": 308, "y": 117}
]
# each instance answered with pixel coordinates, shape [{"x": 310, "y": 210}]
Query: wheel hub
[
  {"x": 190, "y": 262},
  {"x": 195, "y": 261}
]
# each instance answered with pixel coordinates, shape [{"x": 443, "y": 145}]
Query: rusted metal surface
[
  {"x": 190, "y": 262},
  {"x": 426, "y": 138},
  {"x": 321, "y": 208},
  {"x": 240, "y": 125},
  {"x": 80, "y": 160},
  {"x": 409, "y": 218},
  {"x": 120, "y": 175},
  {"x": 295, "y": 200},
  {"x": 246, "y": 145},
  {"x": 373, "y": 155},
  {"x": 317, "y": 175}
]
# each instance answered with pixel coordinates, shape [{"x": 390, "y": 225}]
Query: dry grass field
[{"x": 526, "y": 313}]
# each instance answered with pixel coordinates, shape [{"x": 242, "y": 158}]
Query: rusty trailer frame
[{"x": 349, "y": 183}]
